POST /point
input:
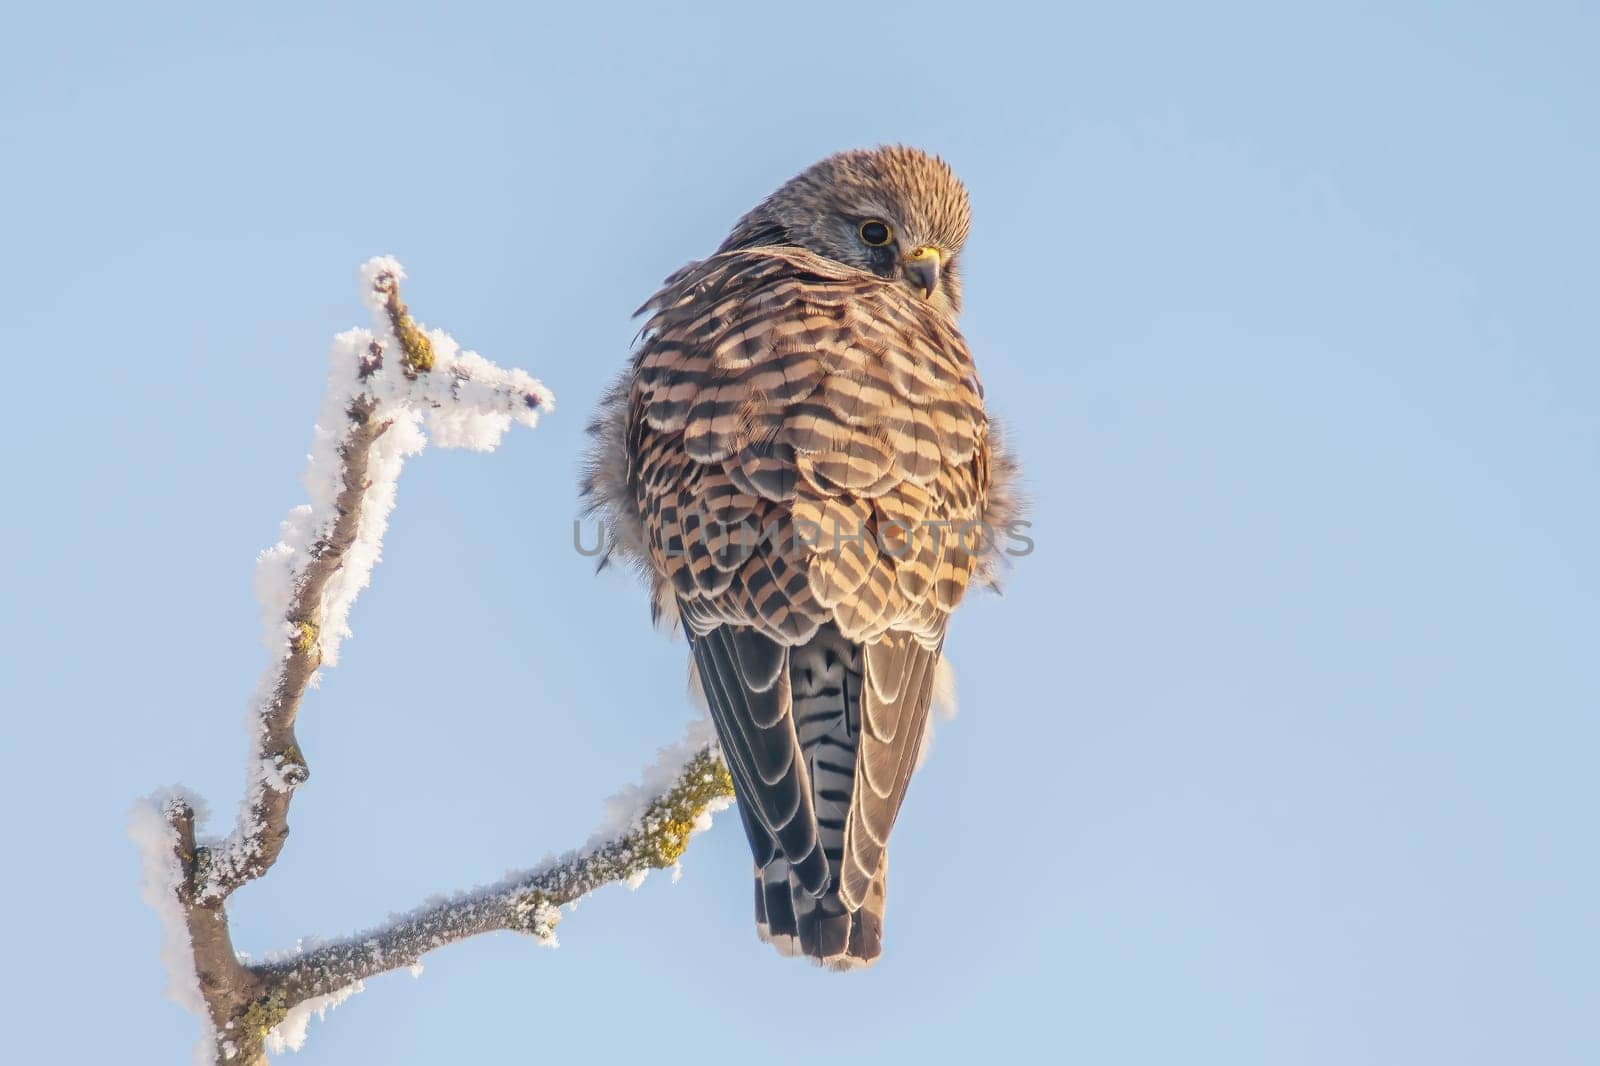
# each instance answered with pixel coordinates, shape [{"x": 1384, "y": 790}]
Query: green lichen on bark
[
  {"x": 670, "y": 820},
  {"x": 305, "y": 636},
  {"x": 265, "y": 1013},
  {"x": 416, "y": 351},
  {"x": 663, "y": 831},
  {"x": 656, "y": 841},
  {"x": 291, "y": 765}
]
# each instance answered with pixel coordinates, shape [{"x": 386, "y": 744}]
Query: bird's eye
[{"x": 876, "y": 232}]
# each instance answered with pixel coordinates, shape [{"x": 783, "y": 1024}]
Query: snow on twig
[
  {"x": 688, "y": 784},
  {"x": 161, "y": 826},
  {"x": 391, "y": 389}
]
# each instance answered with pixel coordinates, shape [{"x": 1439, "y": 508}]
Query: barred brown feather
[
  {"x": 806, "y": 390},
  {"x": 806, "y": 456}
]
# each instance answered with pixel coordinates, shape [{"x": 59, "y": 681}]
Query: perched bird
[{"x": 798, "y": 459}]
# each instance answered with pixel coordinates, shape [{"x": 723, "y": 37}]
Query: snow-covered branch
[
  {"x": 391, "y": 389},
  {"x": 529, "y": 901}
]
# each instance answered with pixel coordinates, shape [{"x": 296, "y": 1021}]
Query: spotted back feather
[
  {"x": 798, "y": 456},
  {"x": 809, "y": 446}
]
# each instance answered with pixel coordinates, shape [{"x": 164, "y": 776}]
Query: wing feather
[
  {"x": 771, "y": 779},
  {"x": 891, "y": 734}
]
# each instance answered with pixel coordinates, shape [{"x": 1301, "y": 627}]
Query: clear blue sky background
[{"x": 1281, "y": 747}]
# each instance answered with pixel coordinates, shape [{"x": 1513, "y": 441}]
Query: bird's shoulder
[
  {"x": 779, "y": 321},
  {"x": 777, "y": 388},
  {"x": 748, "y": 288}
]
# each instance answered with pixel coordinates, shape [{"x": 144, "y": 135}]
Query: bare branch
[{"x": 374, "y": 415}]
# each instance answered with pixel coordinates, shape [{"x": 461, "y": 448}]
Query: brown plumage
[{"x": 799, "y": 459}]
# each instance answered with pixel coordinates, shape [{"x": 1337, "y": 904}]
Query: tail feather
[
  {"x": 819, "y": 738},
  {"x": 822, "y": 928},
  {"x": 775, "y": 917}
]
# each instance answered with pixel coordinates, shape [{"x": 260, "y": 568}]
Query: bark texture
[{"x": 246, "y": 1001}]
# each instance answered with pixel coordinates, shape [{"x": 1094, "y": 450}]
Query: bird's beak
[{"x": 921, "y": 268}]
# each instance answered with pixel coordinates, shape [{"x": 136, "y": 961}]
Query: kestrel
[{"x": 798, "y": 460}]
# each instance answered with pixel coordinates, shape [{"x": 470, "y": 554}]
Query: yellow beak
[{"x": 921, "y": 268}]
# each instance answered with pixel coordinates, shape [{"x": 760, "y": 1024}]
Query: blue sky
[{"x": 1279, "y": 749}]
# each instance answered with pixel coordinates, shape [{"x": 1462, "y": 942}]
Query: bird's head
[{"x": 895, "y": 211}]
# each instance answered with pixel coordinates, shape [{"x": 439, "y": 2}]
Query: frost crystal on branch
[
  {"x": 391, "y": 389},
  {"x": 161, "y": 826}
]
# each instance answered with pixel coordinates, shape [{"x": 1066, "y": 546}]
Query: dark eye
[{"x": 876, "y": 232}]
